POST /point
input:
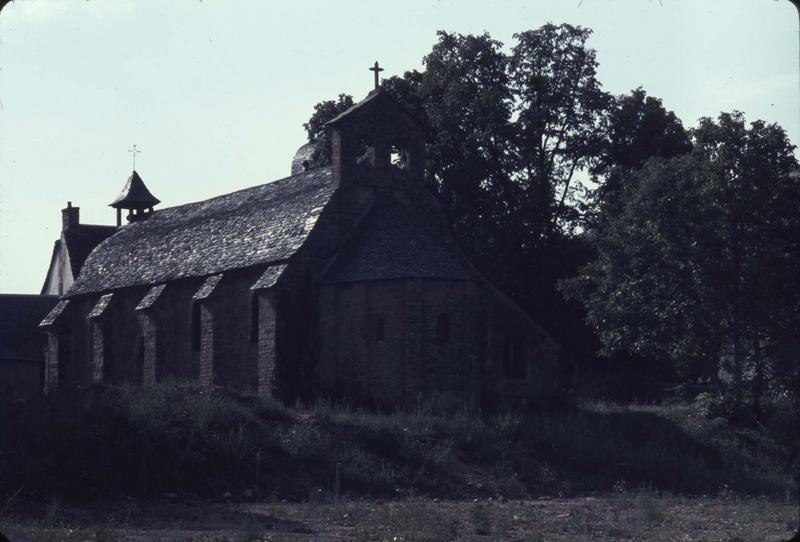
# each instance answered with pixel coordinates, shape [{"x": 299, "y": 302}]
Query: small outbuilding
[{"x": 22, "y": 344}]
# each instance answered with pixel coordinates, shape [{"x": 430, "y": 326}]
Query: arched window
[
  {"x": 443, "y": 328},
  {"x": 380, "y": 329},
  {"x": 254, "y": 318},
  {"x": 195, "y": 331}
]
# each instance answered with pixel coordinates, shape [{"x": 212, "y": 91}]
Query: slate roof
[
  {"x": 81, "y": 240},
  {"x": 20, "y": 337},
  {"x": 207, "y": 288},
  {"x": 101, "y": 306},
  {"x": 376, "y": 99},
  {"x": 53, "y": 315},
  {"x": 150, "y": 297},
  {"x": 134, "y": 195},
  {"x": 391, "y": 244},
  {"x": 269, "y": 278},
  {"x": 259, "y": 225}
]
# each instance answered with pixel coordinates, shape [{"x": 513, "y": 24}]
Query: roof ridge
[
  {"x": 373, "y": 96},
  {"x": 377, "y": 249},
  {"x": 229, "y": 194},
  {"x": 257, "y": 225}
]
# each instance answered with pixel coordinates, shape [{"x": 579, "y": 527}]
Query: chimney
[{"x": 70, "y": 217}]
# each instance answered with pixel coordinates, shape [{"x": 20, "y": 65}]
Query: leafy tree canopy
[
  {"x": 698, "y": 266},
  {"x": 638, "y": 128},
  {"x": 509, "y": 132}
]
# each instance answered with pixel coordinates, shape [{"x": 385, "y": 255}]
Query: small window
[
  {"x": 254, "y": 317},
  {"x": 195, "y": 331},
  {"x": 513, "y": 358},
  {"x": 380, "y": 329},
  {"x": 443, "y": 328}
]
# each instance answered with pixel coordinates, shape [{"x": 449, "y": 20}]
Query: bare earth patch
[{"x": 630, "y": 516}]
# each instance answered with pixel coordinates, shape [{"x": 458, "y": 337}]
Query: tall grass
[{"x": 170, "y": 438}]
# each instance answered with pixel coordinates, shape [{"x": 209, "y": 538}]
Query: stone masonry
[{"x": 340, "y": 281}]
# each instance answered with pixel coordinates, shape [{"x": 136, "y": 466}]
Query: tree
[
  {"x": 507, "y": 133},
  {"x": 699, "y": 267},
  {"x": 638, "y": 128},
  {"x": 560, "y": 107},
  {"x": 315, "y": 127}
]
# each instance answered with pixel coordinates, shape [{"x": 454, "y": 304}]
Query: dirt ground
[{"x": 629, "y": 516}]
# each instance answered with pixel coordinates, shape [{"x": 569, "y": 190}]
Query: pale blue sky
[{"x": 214, "y": 92}]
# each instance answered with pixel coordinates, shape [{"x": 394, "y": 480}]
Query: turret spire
[{"x": 136, "y": 198}]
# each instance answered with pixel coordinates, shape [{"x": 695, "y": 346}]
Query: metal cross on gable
[
  {"x": 377, "y": 69},
  {"x": 134, "y": 151}
]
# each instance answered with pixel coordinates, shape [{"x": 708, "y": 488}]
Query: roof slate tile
[
  {"x": 150, "y": 297},
  {"x": 255, "y": 226},
  {"x": 207, "y": 288},
  {"x": 53, "y": 315},
  {"x": 269, "y": 278},
  {"x": 100, "y": 306}
]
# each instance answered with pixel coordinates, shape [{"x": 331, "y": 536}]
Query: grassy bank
[
  {"x": 631, "y": 515},
  {"x": 176, "y": 442}
]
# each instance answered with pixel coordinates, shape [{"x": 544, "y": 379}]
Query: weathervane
[
  {"x": 134, "y": 151},
  {"x": 377, "y": 69}
]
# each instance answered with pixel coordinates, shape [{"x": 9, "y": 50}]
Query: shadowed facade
[{"x": 341, "y": 280}]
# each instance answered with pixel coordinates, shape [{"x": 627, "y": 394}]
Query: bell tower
[
  {"x": 377, "y": 137},
  {"x": 136, "y": 198}
]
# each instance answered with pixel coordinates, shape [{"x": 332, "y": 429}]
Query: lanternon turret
[{"x": 136, "y": 198}]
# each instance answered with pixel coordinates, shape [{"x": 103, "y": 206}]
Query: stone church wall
[
  {"x": 514, "y": 339},
  {"x": 173, "y": 317},
  {"x": 69, "y": 344},
  {"x": 298, "y": 296},
  {"x": 122, "y": 335},
  {"x": 450, "y": 357},
  {"x": 112, "y": 347},
  {"x": 387, "y": 349},
  {"x": 235, "y": 365}
]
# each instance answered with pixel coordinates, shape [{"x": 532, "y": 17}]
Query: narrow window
[
  {"x": 443, "y": 328},
  {"x": 380, "y": 329},
  {"x": 195, "y": 332},
  {"x": 254, "y": 318}
]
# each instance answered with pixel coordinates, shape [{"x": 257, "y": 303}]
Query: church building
[{"x": 343, "y": 280}]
